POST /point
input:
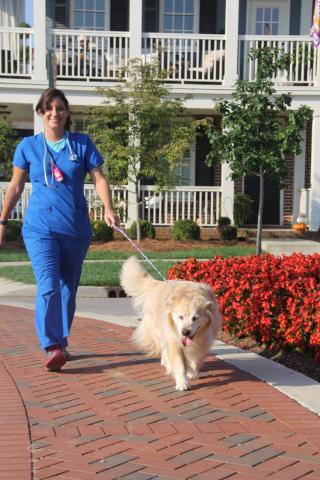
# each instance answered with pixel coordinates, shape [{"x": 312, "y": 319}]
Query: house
[{"x": 203, "y": 45}]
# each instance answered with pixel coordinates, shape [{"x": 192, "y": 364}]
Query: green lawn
[
  {"x": 7, "y": 255},
  {"x": 94, "y": 274},
  {"x": 107, "y": 273}
]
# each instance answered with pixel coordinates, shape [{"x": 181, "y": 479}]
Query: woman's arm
[
  {"x": 13, "y": 193},
  {"x": 103, "y": 189}
]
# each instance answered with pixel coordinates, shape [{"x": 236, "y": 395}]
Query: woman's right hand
[{"x": 2, "y": 235}]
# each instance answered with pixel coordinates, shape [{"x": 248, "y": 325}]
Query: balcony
[{"x": 91, "y": 56}]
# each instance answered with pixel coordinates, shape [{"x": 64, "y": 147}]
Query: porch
[
  {"x": 162, "y": 209},
  {"x": 87, "y": 56}
]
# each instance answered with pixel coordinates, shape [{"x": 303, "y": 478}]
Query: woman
[{"x": 56, "y": 228}]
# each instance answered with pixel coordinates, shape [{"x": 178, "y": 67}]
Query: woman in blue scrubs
[{"x": 56, "y": 228}]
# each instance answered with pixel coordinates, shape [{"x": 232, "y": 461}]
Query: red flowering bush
[{"x": 276, "y": 300}]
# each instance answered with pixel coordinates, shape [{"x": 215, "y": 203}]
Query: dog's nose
[{"x": 186, "y": 332}]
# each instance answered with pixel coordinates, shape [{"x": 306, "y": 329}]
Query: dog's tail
[{"x": 134, "y": 279}]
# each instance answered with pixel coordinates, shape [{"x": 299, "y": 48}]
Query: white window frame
[
  {"x": 284, "y": 14},
  {"x": 196, "y": 16},
  {"x": 106, "y": 17}
]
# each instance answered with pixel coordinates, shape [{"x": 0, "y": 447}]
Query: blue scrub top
[{"x": 61, "y": 211}]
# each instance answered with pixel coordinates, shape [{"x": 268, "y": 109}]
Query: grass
[
  {"x": 99, "y": 274},
  {"x": 225, "y": 251},
  {"x": 93, "y": 274}
]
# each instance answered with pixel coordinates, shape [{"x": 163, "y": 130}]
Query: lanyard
[{"x": 55, "y": 172}]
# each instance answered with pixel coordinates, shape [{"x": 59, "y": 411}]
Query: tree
[
  {"x": 8, "y": 143},
  {"x": 141, "y": 130},
  {"x": 257, "y": 127}
]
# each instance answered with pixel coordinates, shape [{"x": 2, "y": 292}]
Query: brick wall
[{"x": 288, "y": 192}]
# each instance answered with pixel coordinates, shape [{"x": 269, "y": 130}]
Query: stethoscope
[{"x": 55, "y": 171}]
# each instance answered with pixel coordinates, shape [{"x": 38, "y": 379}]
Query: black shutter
[
  {"x": 119, "y": 15},
  {"x": 295, "y": 14},
  {"x": 204, "y": 174},
  {"x": 151, "y": 16},
  {"x": 207, "y": 16},
  {"x": 62, "y": 14}
]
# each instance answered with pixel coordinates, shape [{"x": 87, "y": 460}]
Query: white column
[
  {"x": 299, "y": 179},
  {"x": 37, "y": 121},
  {"x": 227, "y": 192},
  {"x": 232, "y": 42},
  {"x": 135, "y": 27},
  {"x": 314, "y": 216},
  {"x": 39, "y": 22}
]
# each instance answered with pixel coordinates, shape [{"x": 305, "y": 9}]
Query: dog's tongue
[{"x": 186, "y": 341}]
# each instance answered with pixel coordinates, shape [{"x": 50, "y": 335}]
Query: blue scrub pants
[{"x": 57, "y": 264}]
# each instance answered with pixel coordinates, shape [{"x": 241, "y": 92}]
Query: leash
[{"x": 123, "y": 233}]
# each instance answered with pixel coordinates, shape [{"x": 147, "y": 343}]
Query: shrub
[
  {"x": 276, "y": 300},
  {"x": 229, "y": 232},
  {"x": 226, "y": 230},
  {"x": 185, "y": 230},
  {"x": 13, "y": 230},
  {"x": 101, "y": 231},
  {"x": 223, "y": 222},
  {"x": 146, "y": 228},
  {"x": 242, "y": 208}
]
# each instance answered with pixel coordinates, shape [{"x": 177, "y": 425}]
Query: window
[
  {"x": 179, "y": 16},
  {"x": 89, "y": 14},
  {"x": 267, "y": 21},
  {"x": 185, "y": 169}
]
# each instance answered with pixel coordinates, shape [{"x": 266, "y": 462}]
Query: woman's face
[{"x": 54, "y": 118}]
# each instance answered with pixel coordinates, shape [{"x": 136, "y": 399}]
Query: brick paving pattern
[{"x": 112, "y": 414}]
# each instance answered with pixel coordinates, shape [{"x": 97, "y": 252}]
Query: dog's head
[{"x": 191, "y": 308}]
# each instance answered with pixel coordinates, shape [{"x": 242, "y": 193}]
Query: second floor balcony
[{"x": 99, "y": 56}]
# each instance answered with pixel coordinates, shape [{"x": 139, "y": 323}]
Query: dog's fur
[{"x": 179, "y": 322}]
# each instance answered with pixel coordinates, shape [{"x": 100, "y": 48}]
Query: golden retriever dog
[{"x": 179, "y": 320}]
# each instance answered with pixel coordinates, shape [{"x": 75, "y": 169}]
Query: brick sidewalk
[{"x": 111, "y": 413}]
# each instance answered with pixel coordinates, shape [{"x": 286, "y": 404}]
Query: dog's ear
[
  {"x": 210, "y": 307},
  {"x": 171, "y": 300}
]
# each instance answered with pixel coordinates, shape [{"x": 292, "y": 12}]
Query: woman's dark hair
[{"x": 47, "y": 98}]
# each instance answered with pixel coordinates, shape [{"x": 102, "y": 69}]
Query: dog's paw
[{"x": 183, "y": 385}]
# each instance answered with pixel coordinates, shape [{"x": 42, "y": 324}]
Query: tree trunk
[
  {"x": 260, "y": 213},
  {"x": 138, "y": 207}
]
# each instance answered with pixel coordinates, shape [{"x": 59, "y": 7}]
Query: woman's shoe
[{"x": 56, "y": 358}]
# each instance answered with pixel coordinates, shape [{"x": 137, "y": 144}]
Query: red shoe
[{"x": 56, "y": 359}]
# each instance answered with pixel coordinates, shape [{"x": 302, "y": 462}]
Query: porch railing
[
  {"x": 201, "y": 204},
  {"x": 187, "y": 57},
  {"x": 304, "y": 64},
  {"x": 119, "y": 197},
  {"x": 16, "y": 52},
  {"x": 88, "y": 55}
]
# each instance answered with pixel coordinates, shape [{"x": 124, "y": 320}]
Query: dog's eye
[
  {"x": 180, "y": 317},
  {"x": 194, "y": 318}
]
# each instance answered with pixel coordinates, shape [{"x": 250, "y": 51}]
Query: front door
[{"x": 271, "y": 211}]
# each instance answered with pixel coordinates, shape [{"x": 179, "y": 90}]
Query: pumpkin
[{"x": 300, "y": 227}]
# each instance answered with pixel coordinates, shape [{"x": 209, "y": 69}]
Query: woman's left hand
[{"x": 111, "y": 218}]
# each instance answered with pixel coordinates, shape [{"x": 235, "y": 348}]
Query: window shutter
[
  {"x": 119, "y": 16},
  {"x": 62, "y": 13},
  {"x": 207, "y": 16},
  {"x": 212, "y": 16},
  {"x": 151, "y": 16}
]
